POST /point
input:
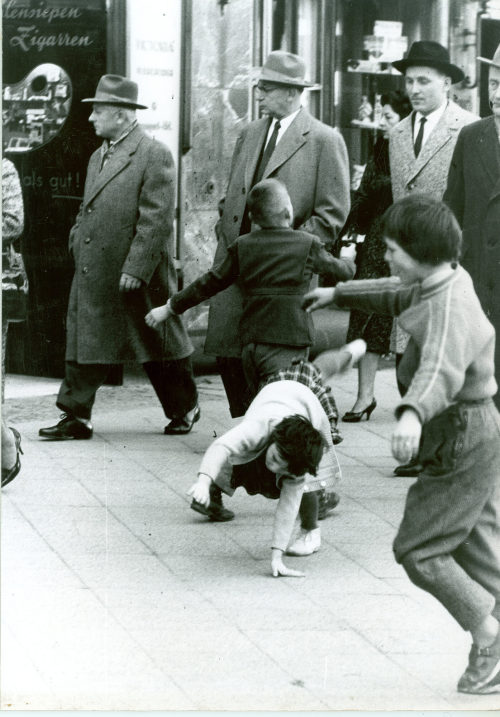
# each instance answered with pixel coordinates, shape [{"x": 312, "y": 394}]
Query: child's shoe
[
  {"x": 482, "y": 676},
  {"x": 215, "y": 510},
  {"x": 308, "y": 542},
  {"x": 337, "y": 437},
  {"x": 326, "y": 503}
]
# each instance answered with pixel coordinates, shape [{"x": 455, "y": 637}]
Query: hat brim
[
  {"x": 280, "y": 79},
  {"x": 450, "y": 70},
  {"x": 489, "y": 62},
  {"x": 116, "y": 103}
]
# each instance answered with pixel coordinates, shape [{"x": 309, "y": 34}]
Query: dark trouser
[
  {"x": 172, "y": 381},
  {"x": 256, "y": 478},
  {"x": 237, "y": 391},
  {"x": 449, "y": 538},
  {"x": 260, "y": 361}
]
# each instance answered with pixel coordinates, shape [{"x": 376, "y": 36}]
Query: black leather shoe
[
  {"x": 215, "y": 511},
  {"x": 356, "y": 416},
  {"x": 68, "y": 428},
  {"x": 180, "y": 426},
  {"x": 408, "y": 470},
  {"x": 326, "y": 503}
]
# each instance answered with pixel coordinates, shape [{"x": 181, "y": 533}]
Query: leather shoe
[
  {"x": 67, "y": 428},
  {"x": 408, "y": 470},
  {"x": 215, "y": 510},
  {"x": 182, "y": 425}
]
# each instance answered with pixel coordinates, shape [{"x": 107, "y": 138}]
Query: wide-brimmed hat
[
  {"x": 494, "y": 61},
  {"x": 116, "y": 90},
  {"x": 426, "y": 53},
  {"x": 284, "y": 68}
]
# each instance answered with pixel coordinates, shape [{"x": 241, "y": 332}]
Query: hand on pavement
[{"x": 278, "y": 568}]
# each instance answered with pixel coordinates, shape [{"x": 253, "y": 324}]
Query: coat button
[
  {"x": 235, "y": 219},
  {"x": 87, "y": 240},
  {"x": 89, "y": 210},
  {"x": 243, "y": 191},
  {"x": 85, "y": 270}
]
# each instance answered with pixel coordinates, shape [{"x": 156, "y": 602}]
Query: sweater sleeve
[
  {"x": 286, "y": 512},
  {"x": 12, "y": 203},
  {"x": 447, "y": 349},
  {"x": 238, "y": 445},
  {"x": 384, "y": 296}
]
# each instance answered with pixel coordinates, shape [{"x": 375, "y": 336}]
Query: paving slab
[{"x": 116, "y": 596}]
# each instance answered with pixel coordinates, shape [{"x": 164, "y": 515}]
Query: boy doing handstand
[
  {"x": 274, "y": 266},
  {"x": 449, "y": 538},
  {"x": 284, "y": 444}
]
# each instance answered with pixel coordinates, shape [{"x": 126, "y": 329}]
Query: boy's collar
[{"x": 439, "y": 275}]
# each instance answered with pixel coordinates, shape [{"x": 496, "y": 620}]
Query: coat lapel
[
  {"x": 291, "y": 141},
  {"x": 448, "y": 126},
  {"x": 115, "y": 164},
  {"x": 487, "y": 143},
  {"x": 256, "y": 138}
]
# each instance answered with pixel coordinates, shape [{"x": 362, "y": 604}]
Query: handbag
[{"x": 14, "y": 285}]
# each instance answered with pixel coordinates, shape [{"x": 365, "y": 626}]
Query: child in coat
[{"x": 449, "y": 538}]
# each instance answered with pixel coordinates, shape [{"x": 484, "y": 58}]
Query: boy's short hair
[
  {"x": 268, "y": 200},
  {"x": 425, "y": 228},
  {"x": 299, "y": 444}
]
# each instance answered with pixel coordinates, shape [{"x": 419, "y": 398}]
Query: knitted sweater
[
  {"x": 250, "y": 438},
  {"x": 450, "y": 355}
]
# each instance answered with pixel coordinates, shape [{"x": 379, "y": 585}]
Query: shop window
[
  {"x": 35, "y": 109},
  {"x": 296, "y": 27}
]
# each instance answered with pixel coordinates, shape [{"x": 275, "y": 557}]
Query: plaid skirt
[{"x": 304, "y": 372}]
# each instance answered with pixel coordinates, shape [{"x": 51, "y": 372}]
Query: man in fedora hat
[
  {"x": 473, "y": 193},
  {"x": 421, "y": 146},
  {"x": 122, "y": 243},
  {"x": 310, "y": 159}
]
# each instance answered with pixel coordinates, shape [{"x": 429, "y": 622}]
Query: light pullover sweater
[
  {"x": 251, "y": 436},
  {"x": 450, "y": 355}
]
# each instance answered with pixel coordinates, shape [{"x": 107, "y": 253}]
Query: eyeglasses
[{"x": 266, "y": 89}]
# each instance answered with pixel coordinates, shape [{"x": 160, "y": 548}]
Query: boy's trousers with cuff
[{"x": 449, "y": 538}]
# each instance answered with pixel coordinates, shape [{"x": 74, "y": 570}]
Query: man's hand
[
  {"x": 159, "y": 315},
  {"x": 129, "y": 282},
  {"x": 200, "y": 491},
  {"x": 317, "y": 299},
  {"x": 279, "y": 568},
  {"x": 406, "y": 437}
]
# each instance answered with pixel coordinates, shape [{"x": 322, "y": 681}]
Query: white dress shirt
[
  {"x": 285, "y": 123},
  {"x": 432, "y": 120}
]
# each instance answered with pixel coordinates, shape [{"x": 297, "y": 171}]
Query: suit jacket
[
  {"x": 429, "y": 171},
  {"x": 125, "y": 225},
  {"x": 311, "y": 160},
  {"x": 473, "y": 193}
]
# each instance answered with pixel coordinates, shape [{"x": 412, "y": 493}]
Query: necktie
[
  {"x": 420, "y": 137},
  {"x": 266, "y": 155}
]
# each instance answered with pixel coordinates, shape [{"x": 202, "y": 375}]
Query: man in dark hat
[
  {"x": 473, "y": 193},
  {"x": 310, "y": 159},
  {"x": 421, "y": 146},
  {"x": 122, "y": 244}
]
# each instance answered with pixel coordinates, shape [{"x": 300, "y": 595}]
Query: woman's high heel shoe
[
  {"x": 355, "y": 416},
  {"x": 8, "y": 474}
]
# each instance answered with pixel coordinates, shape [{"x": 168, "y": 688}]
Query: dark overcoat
[
  {"x": 311, "y": 160},
  {"x": 125, "y": 225},
  {"x": 473, "y": 192}
]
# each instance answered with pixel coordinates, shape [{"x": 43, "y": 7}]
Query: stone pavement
[{"x": 116, "y": 596}]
